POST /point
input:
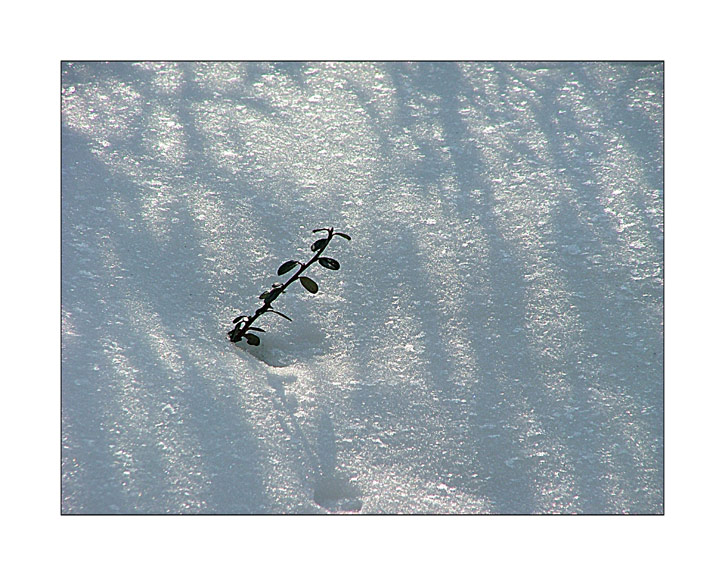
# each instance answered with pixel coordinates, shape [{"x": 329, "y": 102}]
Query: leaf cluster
[{"x": 243, "y": 324}]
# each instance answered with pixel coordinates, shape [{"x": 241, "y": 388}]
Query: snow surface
[{"x": 492, "y": 343}]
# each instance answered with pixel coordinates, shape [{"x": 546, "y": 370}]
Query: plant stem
[{"x": 236, "y": 334}]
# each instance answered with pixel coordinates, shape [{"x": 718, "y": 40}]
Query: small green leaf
[
  {"x": 253, "y": 339},
  {"x": 321, "y": 230},
  {"x": 280, "y": 314},
  {"x": 309, "y": 284},
  {"x": 286, "y": 267},
  {"x": 264, "y": 295},
  {"x": 345, "y": 236},
  {"x": 319, "y": 244},
  {"x": 330, "y": 263},
  {"x": 272, "y": 295}
]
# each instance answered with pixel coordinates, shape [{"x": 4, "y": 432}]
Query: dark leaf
[
  {"x": 320, "y": 230},
  {"x": 280, "y": 314},
  {"x": 272, "y": 295},
  {"x": 264, "y": 295},
  {"x": 255, "y": 328},
  {"x": 253, "y": 339},
  {"x": 319, "y": 244},
  {"x": 286, "y": 267},
  {"x": 330, "y": 263},
  {"x": 235, "y": 334},
  {"x": 345, "y": 236},
  {"x": 309, "y": 284},
  {"x": 240, "y": 319}
]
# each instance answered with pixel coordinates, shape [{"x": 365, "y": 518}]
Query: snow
[{"x": 491, "y": 344}]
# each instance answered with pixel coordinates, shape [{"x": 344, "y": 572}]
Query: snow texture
[{"x": 492, "y": 343}]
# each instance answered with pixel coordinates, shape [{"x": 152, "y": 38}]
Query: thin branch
[{"x": 244, "y": 323}]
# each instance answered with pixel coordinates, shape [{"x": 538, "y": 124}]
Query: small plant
[{"x": 243, "y": 324}]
